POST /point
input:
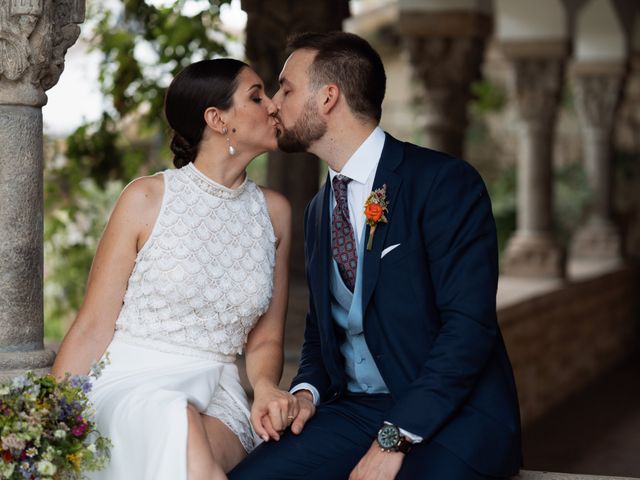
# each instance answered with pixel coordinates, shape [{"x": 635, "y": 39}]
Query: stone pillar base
[
  {"x": 598, "y": 239},
  {"x": 534, "y": 255},
  {"x": 16, "y": 363}
]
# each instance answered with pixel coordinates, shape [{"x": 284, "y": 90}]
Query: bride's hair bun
[{"x": 183, "y": 152}]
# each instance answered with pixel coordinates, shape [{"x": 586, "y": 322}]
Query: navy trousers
[{"x": 334, "y": 441}]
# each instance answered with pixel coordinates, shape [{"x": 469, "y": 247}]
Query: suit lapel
[
  {"x": 319, "y": 263},
  {"x": 391, "y": 157}
]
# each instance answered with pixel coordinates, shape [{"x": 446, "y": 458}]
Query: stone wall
[{"x": 561, "y": 340}]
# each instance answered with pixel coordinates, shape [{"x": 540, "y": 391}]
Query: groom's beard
[{"x": 307, "y": 129}]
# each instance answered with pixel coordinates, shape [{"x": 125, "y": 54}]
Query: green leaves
[{"x": 144, "y": 46}]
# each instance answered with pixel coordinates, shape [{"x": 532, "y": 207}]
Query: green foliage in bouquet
[{"x": 47, "y": 430}]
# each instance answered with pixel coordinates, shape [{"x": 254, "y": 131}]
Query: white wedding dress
[{"x": 200, "y": 283}]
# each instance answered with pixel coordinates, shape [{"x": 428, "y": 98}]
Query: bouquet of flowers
[{"x": 46, "y": 428}]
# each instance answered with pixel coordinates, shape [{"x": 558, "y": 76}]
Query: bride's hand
[{"x": 273, "y": 410}]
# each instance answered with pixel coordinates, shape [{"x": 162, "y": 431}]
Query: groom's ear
[
  {"x": 213, "y": 119},
  {"x": 329, "y": 95}
]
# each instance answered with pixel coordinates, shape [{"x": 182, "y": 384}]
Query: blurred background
[{"x": 543, "y": 98}]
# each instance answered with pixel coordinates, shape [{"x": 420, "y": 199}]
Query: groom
[{"x": 404, "y": 372}]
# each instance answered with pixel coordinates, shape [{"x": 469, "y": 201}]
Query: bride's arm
[
  {"x": 264, "y": 350},
  {"x": 128, "y": 228}
]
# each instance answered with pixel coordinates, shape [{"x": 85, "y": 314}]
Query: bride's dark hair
[{"x": 204, "y": 84}]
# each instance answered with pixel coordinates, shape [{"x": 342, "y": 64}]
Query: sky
[{"x": 76, "y": 97}]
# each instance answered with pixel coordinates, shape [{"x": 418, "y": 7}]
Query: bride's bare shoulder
[
  {"x": 139, "y": 203},
  {"x": 145, "y": 188}
]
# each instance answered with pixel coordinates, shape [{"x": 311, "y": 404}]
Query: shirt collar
[{"x": 364, "y": 160}]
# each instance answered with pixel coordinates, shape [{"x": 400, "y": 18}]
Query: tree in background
[{"x": 143, "y": 47}]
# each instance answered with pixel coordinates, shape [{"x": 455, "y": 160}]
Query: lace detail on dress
[
  {"x": 205, "y": 275},
  {"x": 224, "y": 408},
  {"x": 211, "y": 187}
]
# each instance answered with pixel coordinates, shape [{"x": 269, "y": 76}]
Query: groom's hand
[
  {"x": 306, "y": 410},
  {"x": 377, "y": 465}
]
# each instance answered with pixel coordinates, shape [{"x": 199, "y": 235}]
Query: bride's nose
[{"x": 271, "y": 106}]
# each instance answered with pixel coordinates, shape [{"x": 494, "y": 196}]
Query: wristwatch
[{"x": 391, "y": 440}]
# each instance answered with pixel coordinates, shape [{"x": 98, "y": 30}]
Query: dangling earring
[{"x": 231, "y": 150}]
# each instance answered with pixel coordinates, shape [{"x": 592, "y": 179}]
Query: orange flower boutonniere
[{"x": 374, "y": 210}]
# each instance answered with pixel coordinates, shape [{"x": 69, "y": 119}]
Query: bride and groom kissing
[{"x": 403, "y": 371}]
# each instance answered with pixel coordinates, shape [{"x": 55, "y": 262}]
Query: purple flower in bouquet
[{"x": 81, "y": 381}]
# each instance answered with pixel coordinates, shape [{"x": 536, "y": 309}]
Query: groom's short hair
[{"x": 351, "y": 63}]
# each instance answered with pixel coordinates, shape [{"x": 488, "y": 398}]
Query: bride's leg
[
  {"x": 225, "y": 446},
  {"x": 201, "y": 464}
]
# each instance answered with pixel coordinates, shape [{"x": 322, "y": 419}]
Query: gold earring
[{"x": 231, "y": 150}]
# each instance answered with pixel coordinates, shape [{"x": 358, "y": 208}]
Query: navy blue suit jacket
[{"x": 429, "y": 309}]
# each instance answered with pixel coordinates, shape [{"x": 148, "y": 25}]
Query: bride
[{"x": 190, "y": 271}]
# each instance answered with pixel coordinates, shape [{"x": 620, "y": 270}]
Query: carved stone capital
[
  {"x": 446, "y": 67},
  {"x": 34, "y": 38},
  {"x": 596, "y": 99},
  {"x": 446, "y": 50},
  {"x": 537, "y": 84}
]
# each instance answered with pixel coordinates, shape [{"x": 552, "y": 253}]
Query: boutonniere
[{"x": 374, "y": 210}]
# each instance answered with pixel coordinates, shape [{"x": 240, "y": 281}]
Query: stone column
[
  {"x": 597, "y": 92},
  {"x": 533, "y": 250},
  {"x": 34, "y": 37},
  {"x": 446, "y": 50},
  {"x": 268, "y": 26}
]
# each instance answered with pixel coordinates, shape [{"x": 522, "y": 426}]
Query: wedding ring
[{"x": 291, "y": 417}]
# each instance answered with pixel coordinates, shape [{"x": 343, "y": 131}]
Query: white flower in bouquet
[{"x": 46, "y": 468}]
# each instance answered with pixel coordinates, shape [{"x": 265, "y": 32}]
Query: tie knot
[{"x": 340, "y": 183}]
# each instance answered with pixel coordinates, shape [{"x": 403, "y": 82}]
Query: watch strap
[{"x": 404, "y": 445}]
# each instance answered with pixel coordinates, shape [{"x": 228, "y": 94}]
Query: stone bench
[{"x": 529, "y": 475}]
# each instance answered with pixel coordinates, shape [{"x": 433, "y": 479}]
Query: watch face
[{"x": 388, "y": 436}]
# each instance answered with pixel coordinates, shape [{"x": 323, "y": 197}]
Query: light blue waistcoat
[{"x": 346, "y": 309}]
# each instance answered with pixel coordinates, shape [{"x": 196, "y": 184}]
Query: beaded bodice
[{"x": 205, "y": 275}]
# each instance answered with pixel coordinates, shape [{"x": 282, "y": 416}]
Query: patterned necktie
[{"x": 344, "y": 244}]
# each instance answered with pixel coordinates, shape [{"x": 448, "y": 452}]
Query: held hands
[
  {"x": 377, "y": 465},
  {"x": 273, "y": 410}
]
